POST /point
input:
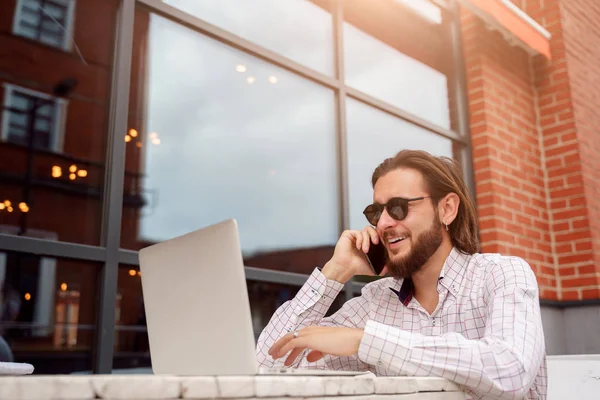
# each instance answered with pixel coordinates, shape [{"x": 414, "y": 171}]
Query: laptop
[{"x": 197, "y": 306}]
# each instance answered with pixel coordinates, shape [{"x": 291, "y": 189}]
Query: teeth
[{"x": 396, "y": 240}]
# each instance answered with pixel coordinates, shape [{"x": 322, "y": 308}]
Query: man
[{"x": 445, "y": 311}]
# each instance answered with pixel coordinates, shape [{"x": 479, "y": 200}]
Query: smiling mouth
[{"x": 397, "y": 239}]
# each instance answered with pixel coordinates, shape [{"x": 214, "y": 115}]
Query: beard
[{"x": 424, "y": 247}]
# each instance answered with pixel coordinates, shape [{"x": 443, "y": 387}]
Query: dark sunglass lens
[
  {"x": 372, "y": 213},
  {"x": 397, "y": 208}
]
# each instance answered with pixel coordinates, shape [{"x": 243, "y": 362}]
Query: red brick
[
  {"x": 587, "y": 269},
  {"x": 566, "y": 271},
  {"x": 549, "y": 294},
  {"x": 570, "y": 295},
  {"x": 590, "y": 294},
  {"x": 583, "y": 246},
  {"x": 579, "y": 282}
]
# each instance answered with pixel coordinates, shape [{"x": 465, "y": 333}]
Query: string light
[{"x": 6, "y": 205}]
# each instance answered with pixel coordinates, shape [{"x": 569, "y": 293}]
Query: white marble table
[{"x": 150, "y": 387}]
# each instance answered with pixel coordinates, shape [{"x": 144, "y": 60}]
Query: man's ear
[{"x": 448, "y": 208}]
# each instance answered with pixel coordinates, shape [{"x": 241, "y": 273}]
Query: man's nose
[{"x": 385, "y": 221}]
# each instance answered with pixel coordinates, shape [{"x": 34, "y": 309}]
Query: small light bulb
[
  {"x": 133, "y": 133},
  {"x": 251, "y": 80},
  {"x": 241, "y": 68},
  {"x": 273, "y": 79},
  {"x": 72, "y": 177},
  {"x": 132, "y": 272},
  {"x": 23, "y": 207},
  {"x": 127, "y": 138},
  {"x": 82, "y": 173},
  {"x": 63, "y": 286},
  {"x": 27, "y": 296},
  {"x": 56, "y": 171},
  {"x": 73, "y": 168}
]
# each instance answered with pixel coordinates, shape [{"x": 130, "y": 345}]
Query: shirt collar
[{"x": 450, "y": 277}]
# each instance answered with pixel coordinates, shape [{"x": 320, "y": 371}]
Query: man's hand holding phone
[{"x": 350, "y": 256}]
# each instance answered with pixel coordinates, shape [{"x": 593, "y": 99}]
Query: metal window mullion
[
  {"x": 465, "y": 154},
  {"x": 404, "y": 115},
  {"x": 51, "y": 248},
  {"x": 114, "y": 179},
  {"x": 342, "y": 131}
]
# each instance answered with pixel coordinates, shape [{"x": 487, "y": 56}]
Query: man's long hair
[{"x": 442, "y": 176}]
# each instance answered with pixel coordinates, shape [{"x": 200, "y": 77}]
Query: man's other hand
[{"x": 321, "y": 340}]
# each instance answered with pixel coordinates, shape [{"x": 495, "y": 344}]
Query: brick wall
[
  {"x": 509, "y": 173},
  {"x": 581, "y": 36},
  {"x": 532, "y": 125}
]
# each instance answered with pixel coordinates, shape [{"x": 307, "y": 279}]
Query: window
[
  {"x": 48, "y": 21},
  {"x": 253, "y": 141},
  {"x": 373, "y": 136},
  {"x": 25, "y": 109},
  {"x": 406, "y": 64}
]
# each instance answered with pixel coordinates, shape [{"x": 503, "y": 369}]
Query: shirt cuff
[
  {"x": 317, "y": 288},
  {"x": 384, "y": 345}
]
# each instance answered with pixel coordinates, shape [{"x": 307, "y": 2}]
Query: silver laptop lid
[{"x": 196, "y": 303}]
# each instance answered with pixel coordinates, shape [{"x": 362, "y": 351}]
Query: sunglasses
[{"x": 396, "y": 207}]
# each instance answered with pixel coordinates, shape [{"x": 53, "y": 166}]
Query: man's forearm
[{"x": 307, "y": 308}]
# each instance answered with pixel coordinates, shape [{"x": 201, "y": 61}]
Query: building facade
[{"x": 125, "y": 123}]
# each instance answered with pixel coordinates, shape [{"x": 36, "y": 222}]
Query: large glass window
[
  {"x": 230, "y": 136},
  {"x": 373, "y": 136},
  {"x": 235, "y": 122},
  {"x": 47, "y": 311},
  {"x": 298, "y": 29}
]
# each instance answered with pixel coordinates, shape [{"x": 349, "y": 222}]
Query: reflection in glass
[
  {"x": 424, "y": 8},
  {"x": 48, "y": 309},
  {"x": 373, "y": 136},
  {"x": 383, "y": 72},
  {"x": 297, "y": 29},
  {"x": 53, "y": 120},
  {"x": 230, "y": 136}
]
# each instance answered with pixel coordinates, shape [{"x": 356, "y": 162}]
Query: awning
[{"x": 515, "y": 25}]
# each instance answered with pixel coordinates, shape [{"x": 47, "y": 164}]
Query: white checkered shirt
[{"x": 485, "y": 335}]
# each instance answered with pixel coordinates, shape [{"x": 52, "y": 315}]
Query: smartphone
[{"x": 377, "y": 257}]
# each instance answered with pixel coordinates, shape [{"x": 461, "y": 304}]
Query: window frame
[
  {"x": 67, "y": 30},
  {"x": 57, "y": 129}
]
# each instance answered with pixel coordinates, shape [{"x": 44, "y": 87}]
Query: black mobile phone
[{"x": 377, "y": 257}]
